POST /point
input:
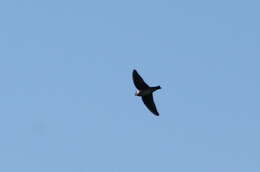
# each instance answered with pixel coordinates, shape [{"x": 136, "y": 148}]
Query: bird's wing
[
  {"x": 148, "y": 101},
  {"x": 138, "y": 81}
]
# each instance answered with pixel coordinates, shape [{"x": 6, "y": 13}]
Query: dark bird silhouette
[{"x": 146, "y": 92}]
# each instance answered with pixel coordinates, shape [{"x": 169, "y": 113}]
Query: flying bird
[{"x": 146, "y": 92}]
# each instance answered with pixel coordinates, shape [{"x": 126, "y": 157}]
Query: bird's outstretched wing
[
  {"x": 149, "y": 103},
  {"x": 138, "y": 81}
]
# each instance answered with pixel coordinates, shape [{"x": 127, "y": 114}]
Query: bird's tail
[{"x": 157, "y": 87}]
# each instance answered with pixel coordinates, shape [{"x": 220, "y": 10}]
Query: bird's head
[{"x": 136, "y": 93}]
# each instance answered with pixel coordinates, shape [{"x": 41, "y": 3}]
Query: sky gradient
[{"x": 67, "y": 96}]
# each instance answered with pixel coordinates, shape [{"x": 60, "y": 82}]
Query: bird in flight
[{"x": 146, "y": 92}]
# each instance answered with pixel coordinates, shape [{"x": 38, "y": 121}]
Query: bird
[{"x": 145, "y": 91}]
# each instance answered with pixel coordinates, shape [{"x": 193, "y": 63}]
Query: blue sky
[{"x": 67, "y": 97}]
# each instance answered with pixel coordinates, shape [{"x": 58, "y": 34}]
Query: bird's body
[{"x": 145, "y": 91}]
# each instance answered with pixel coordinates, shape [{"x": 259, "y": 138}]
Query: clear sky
[{"x": 67, "y": 98}]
